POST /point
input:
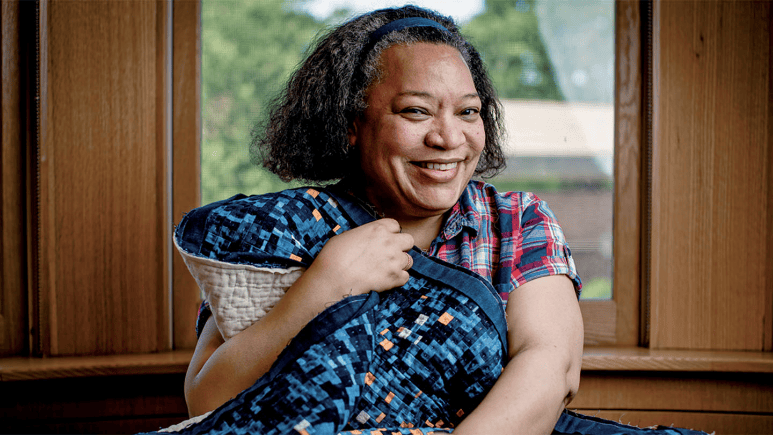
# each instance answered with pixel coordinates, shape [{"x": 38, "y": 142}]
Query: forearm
[
  {"x": 545, "y": 337},
  {"x": 371, "y": 257},
  {"x": 217, "y": 375},
  {"x": 527, "y": 399}
]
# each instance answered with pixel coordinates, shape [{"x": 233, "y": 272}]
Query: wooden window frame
[
  {"x": 632, "y": 379},
  {"x": 29, "y": 228},
  {"x": 616, "y": 322},
  {"x": 613, "y": 322}
]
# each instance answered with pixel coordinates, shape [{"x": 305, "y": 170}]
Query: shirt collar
[{"x": 464, "y": 214}]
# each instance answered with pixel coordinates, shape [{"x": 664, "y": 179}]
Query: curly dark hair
[{"x": 305, "y": 134}]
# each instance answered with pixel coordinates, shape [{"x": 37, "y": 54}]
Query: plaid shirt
[
  {"x": 494, "y": 233},
  {"x": 512, "y": 232}
]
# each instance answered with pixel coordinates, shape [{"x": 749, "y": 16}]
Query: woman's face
[{"x": 421, "y": 135}]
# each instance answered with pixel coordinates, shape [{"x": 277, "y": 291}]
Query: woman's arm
[
  {"x": 370, "y": 257},
  {"x": 545, "y": 338}
]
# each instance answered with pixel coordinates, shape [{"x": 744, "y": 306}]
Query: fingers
[
  {"x": 404, "y": 241},
  {"x": 369, "y": 257},
  {"x": 390, "y": 224},
  {"x": 410, "y": 262}
]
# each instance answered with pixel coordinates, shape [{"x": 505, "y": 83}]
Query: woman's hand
[{"x": 370, "y": 257}]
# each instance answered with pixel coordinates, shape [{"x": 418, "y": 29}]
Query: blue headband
[{"x": 401, "y": 24}]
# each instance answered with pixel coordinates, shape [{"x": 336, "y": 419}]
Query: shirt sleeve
[{"x": 540, "y": 248}]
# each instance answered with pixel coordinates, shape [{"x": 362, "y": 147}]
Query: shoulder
[
  {"x": 301, "y": 218},
  {"x": 289, "y": 203},
  {"x": 484, "y": 199},
  {"x": 532, "y": 241}
]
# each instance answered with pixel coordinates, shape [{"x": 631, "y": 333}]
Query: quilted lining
[{"x": 238, "y": 294}]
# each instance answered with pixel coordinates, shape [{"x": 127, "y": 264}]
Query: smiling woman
[
  {"x": 420, "y": 137},
  {"x": 426, "y": 301},
  {"x": 397, "y": 105},
  {"x": 560, "y": 150}
]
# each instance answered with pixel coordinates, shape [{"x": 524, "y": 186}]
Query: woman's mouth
[{"x": 437, "y": 166}]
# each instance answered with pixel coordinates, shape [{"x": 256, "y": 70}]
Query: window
[
  {"x": 97, "y": 268},
  {"x": 553, "y": 63}
]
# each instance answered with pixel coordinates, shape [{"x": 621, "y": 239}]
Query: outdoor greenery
[
  {"x": 597, "y": 288},
  {"x": 508, "y": 37},
  {"x": 250, "y": 48}
]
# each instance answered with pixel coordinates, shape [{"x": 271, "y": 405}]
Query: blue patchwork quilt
[{"x": 412, "y": 360}]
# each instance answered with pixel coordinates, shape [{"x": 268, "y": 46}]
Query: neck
[{"x": 423, "y": 230}]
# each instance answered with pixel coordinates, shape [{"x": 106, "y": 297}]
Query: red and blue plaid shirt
[{"x": 488, "y": 232}]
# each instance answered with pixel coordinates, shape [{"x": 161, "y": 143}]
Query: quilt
[{"x": 412, "y": 360}]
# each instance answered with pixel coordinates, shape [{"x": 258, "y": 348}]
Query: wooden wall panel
[
  {"x": 710, "y": 191},
  {"x": 675, "y": 391},
  {"x": 103, "y": 271},
  {"x": 769, "y": 243},
  {"x": 13, "y": 257},
  {"x": 187, "y": 139},
  {"x": 725, "y": 403},
  {"x": 102, "y": 404},
  {"x": 628, "y": 177},
  {"x": 711, "y": 422}
]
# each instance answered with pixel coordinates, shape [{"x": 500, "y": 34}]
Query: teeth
[{"x": 439, "y": 166}]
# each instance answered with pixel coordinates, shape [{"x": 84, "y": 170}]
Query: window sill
[
  {"x": 594, "y": 359},
  {"x": 28, "y": 368},
  {"x": 642, "y": 359}
]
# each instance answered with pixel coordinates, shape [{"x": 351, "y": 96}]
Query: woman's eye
[
  {"x": 471, "y": 112},
  {"x": 414, "y": 112}
]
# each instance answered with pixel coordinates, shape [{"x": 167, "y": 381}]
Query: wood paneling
[
  {"x": 31, "y": 368},
  {"x": 112, "y": 404},
  {"x": 628, "y": 177},
  {"x": 711, "y": 422},
  {"x": 711, "y": 187},
  {"x": 187, "y": 139},
  {"x": 657, "y": 391},
  {"x": 640, "y": 359},
  {"x": 768, "y": 327},
  {"x": 103, "y": 190},
  {"x": 13, "y": 254},
  {"x": 599, "y": 321}
]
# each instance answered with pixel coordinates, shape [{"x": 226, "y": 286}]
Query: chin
[{"x": 438, "y": 204}]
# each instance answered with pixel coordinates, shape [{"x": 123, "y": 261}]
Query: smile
[{"x": 437, "y": 166}]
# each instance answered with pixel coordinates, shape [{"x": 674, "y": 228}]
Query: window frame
[
  {"x": 617, "y": 322},
  {"x": 613, "y": 322}
]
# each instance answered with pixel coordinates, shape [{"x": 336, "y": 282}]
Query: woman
[{"x": 397, "y": 105}]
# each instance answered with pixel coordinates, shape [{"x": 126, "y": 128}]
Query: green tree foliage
[
  {"x": 508, "y": 38},
  {"x": 250, "y": 48}
]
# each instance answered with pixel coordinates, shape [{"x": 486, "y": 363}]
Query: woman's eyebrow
[
  {"x": 422, "y": 94},
  {"x": 415, "y": 94}
]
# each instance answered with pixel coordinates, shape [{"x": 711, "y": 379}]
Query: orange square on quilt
[{"x": 386, "y": 344}]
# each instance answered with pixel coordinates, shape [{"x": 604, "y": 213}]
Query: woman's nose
[{"x": 446, "y": 133}]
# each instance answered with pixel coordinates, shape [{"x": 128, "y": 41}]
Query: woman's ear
[{"x": 351, "y": 133}]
